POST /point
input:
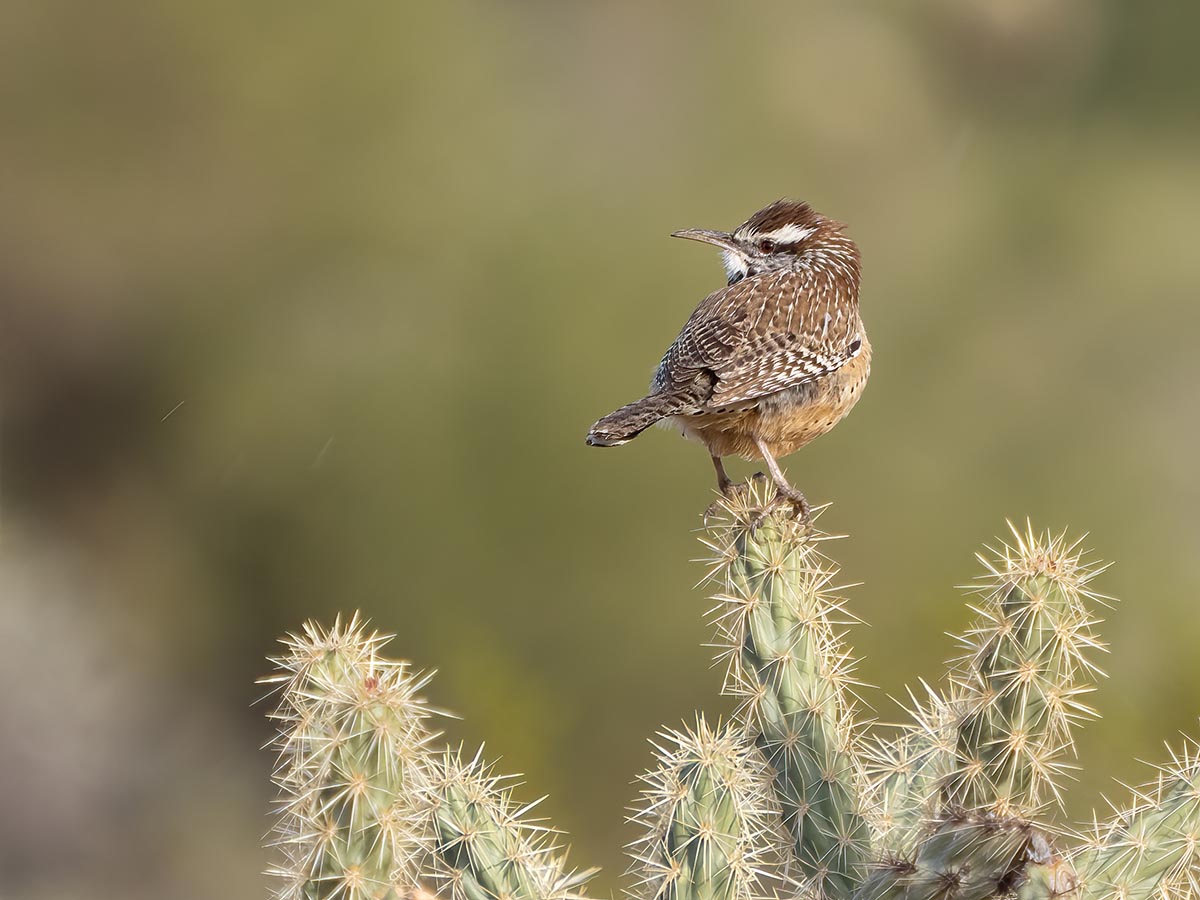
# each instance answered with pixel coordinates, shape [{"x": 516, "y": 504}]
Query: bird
[{"x": 769, "y": 362}]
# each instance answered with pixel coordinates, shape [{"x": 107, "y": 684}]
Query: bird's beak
[{"x": 717, "y": 238}]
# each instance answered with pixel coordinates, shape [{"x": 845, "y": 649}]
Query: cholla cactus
[
  {"x": 998, "y": 741},
  {"x": 1151, "y": 849},
  {"x": 793, "y": 798},
  {"x": 996, "y": 744},
  {"x": 709, "y": 819},
  {"x": 352, "y": 748},
  {"x": 485, "y": 847},
  {"x": 367, "y": 810},
  {"x": 776, "y": 623},
  {"x": 1019, "y": 683}
]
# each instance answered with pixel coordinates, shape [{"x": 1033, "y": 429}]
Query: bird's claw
[
  {"x": 801, "y": 509},
  {"x": 729, "y": 491}
]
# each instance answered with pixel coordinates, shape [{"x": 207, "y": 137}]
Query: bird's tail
[{"x": 632, "y": 419}]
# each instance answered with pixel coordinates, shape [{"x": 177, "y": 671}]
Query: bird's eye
[{"x": 766, "y": 245}]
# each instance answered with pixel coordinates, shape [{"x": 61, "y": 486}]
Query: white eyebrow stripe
[{"x": 788, "y": 234}]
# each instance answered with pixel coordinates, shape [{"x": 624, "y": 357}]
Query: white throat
[{"x": 736, "y": 265}]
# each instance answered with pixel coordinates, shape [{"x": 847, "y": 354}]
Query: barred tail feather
[{"x": 632, "y": 419}]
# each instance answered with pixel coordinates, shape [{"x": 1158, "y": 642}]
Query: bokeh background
[{"x": 307, "y": 307}]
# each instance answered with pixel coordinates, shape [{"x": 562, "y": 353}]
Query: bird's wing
[
  {"x": 714, "y": 333},
  {"x": 762, "y": 335}
]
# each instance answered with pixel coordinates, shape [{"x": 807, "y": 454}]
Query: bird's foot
[
  {"x": 801, "y": 509},
  {"x": 747, "y": 496},
  {"x": 785, "y": 496},
  {"x": 759, "y": 480}
]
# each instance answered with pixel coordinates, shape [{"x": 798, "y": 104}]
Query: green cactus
[
  {"x": 352, "y": 747},
  {"x": 997, "y": 742},
  {"x": 1151, "y": 849},
  {"x": 777, "y": 624},
  {"x": 484, "y": 849},
  {"x": 792, "y": 798},
  {"x": 996, "y": 745},
  {"x": 908, "y": 772},
  {"x": 965, "y": 856},
  {"x": 710, "y": 821},
  {"x": 1020, "y": 680},
  {"x": 367, "y": 810}
]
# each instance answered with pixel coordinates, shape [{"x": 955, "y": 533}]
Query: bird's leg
[
  {"x": 723, "y": 482},
  {"x": 781, "y": 483},
  {"x": 724, "y": 485}
]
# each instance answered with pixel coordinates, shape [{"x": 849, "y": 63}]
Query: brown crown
[{"x": 784, "y": 212}]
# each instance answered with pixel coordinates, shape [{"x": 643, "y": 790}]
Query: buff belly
[{"x": 784, "y": 421}]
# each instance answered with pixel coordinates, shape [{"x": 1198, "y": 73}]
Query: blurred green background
[{"x": 307, "y": 307}]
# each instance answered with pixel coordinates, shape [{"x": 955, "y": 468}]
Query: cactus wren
[{"x": 769, "y": 362}]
